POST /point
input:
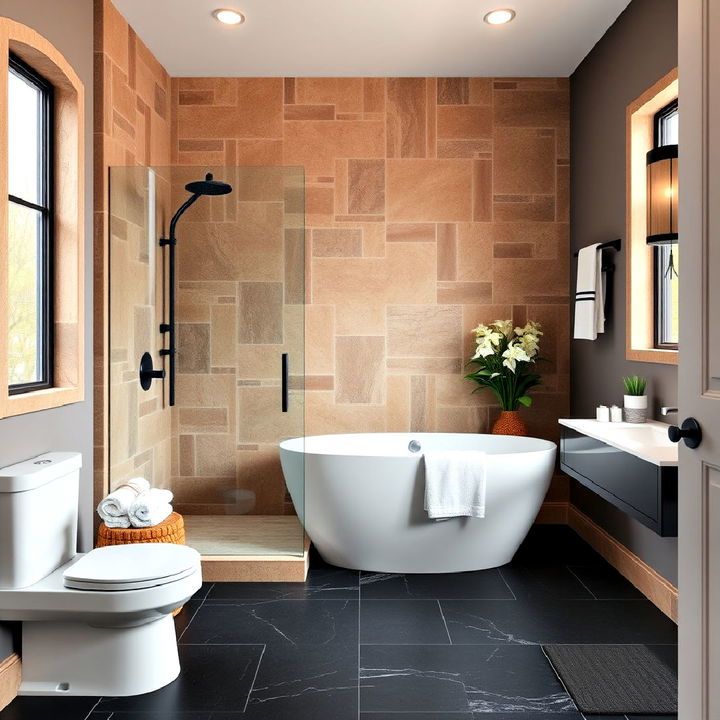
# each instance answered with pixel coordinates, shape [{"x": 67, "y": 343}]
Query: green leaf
[{"x": 525, "y": 400}]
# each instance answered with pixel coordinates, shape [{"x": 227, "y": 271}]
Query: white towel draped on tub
[
  {"x": 589, "y": 294},
  {"x": 114, "y": 508},
  {"x": 150, "y": 507},
  {"x": 455, "y": 484}
]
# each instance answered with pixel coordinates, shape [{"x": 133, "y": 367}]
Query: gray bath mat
[{"x": 615, "y": 679}]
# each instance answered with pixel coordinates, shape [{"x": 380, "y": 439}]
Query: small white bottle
[
  {"x": 616, "y": 414},
  {"x": 602, "y": 414}
]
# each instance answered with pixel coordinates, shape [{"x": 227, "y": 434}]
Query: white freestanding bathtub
[{"x": 360, "y": 498}]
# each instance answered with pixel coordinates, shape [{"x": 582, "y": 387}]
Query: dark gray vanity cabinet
[{"x": 639, "y": 488}]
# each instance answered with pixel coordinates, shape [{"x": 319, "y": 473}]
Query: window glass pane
[
  {"x": 670, "y": 132},
  {"x": 668, "y": 294},
  {"x": 24, "y": 129},
  {"x": 25, "y": 288}
]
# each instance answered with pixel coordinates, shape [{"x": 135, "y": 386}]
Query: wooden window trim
[
  {"x": 69, "y": 221},
  {"x": 640, "y": 294}
]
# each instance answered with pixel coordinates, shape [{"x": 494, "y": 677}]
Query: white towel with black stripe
[{"x": 589, "y": 294}]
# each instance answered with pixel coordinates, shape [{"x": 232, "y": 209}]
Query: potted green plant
[
  {"x": 635, "y": 399},
  {"x": 505, "y": 360}
]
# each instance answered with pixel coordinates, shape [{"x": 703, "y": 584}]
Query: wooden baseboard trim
[
  {"x": 10, "y": 672},
  {"x": 650, "y": 583},
  {"x": 552, "y": 513}
]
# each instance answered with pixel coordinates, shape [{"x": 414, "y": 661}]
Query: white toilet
[{"x": 98, "y": 623}]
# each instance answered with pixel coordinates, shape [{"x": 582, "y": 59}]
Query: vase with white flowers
[{"x": 505, "y": 359}]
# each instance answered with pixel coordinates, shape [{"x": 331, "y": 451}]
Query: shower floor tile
[{"x": 373, "y": 646}]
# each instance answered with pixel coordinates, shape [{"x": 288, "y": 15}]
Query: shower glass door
[{"x": 239, "y": 314}]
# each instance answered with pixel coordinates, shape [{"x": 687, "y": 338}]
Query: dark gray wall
[
  {"x": 69, "y": 26},
  {"x": 639, "y": 48}
]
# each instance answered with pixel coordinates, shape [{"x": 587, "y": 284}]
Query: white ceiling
[{"x": 371, "y": 37}]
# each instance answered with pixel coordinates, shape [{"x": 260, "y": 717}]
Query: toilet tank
[{"x": 38, "y": 517}]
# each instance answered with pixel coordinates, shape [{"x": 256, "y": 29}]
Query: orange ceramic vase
[{"x": 509, "y": 423}]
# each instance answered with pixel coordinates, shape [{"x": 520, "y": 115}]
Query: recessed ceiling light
[
  {"x": 228, "y": 17},
  {"x": 499, "y": 16}
]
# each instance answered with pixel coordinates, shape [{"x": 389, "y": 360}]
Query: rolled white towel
[
  {"x": 150, "y": 508},
  {"x": 114, "y": 508}
]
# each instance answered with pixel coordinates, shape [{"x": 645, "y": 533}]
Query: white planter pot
[{"x": 635, "y": 408}]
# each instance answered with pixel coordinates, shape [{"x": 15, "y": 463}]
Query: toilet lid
[{"x": 131, "y": 567}]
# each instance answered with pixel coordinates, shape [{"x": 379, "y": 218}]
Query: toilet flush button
[{"x": 42, "y": 462}]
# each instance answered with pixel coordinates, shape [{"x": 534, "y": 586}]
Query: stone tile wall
[{"x": 431, "y": 204}]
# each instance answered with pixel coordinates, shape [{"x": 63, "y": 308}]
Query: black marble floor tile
[
  {"x": 398, "y": 622},
  {"x": 667, "y": 654},
  {"x": 175, "y": 715},
  {"x": 306, "y": 683},
  {"x": 437, "y": 678},
  {"x": 556, "y": 545},
  {"x": 212, "y": 678},
  {"x": 523, "y": 622},
  {"x": 323, "y": 582},
  {"x": 40, "y": 708},
  {"x": 548, "y": 581},
  {"x": 605, "y": 582},
  {"x": 275, "y": 622},
  {"x": 183, "y": 618},
  {"x": 390, "y": 586},
  {"x": 474, "y": 716}
]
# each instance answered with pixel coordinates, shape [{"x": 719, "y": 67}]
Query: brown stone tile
[
  {"x": 346, "y": 93},
  {"x": 214, "y": 456},
  {"x": 410, "y": 232},
  {"x": 482, "y": 189},
  {"x": 366, "y": 187},
  {"x": 550, "y": 240},
  {"x": 261, "y": 419},
  {"x": 314, "y": 145},
  {"x": 289, "y": 90},
  {"x": 309, "y": 112},
  {"x": 464, "y": 292},
  {"x": 464, "y": 148},
  {"x": 429, "y": 190},
  {"x": 373, "y": 239},
  {"x": 423, "y": 330},
  {"x": 474, "y": 244},
  {"x": 513, "y": 250},
  {"x": 325, "y": 416},
  {"x": 319, "y": 336},
  {"x": 406, "y": 108},
  {"x": 422, "y": 403},
  {"x": 481, "y": 91},
  {"x": 508, "y": 208},
  {"x": 260, "y": 319},
  {"x": 196, "y": 97},
  {"x": 200, "y": 145},
  {"x": 374, "y": 95},
  {"x": 464, "y": 122},
  {"x": 160, "y": 104},
  {"x": 193, "y": 348},
  {"x": 524, "y": 162},
  {"x": 453, "y": 91},
  {"x": 531, "y": 108},
  {"x": 337, "y": 242},
  {"x": 447, "y": 251},
  {"x": 123, "y": 97},
  {"x": 187, "y": 455},
  {"x": 319, "y": 382},
  {"x": 456, "y": 391},
  {"x": 359, "y": 373},
  {"x": 294, "y": 267},
  {"x": 225, "y": 89},
  {"x": 319, "y": 201},
  {"x": 259, "y": 151},
  {"x": 423, "y": 365},
  {"x": 406, "y": 275},
  {"x": 259, "y": 113},
  {"x": 431, "y": 117},
  {"x": 398, "y": 403},
  {"x": 203, "y": 420},
  {"x": 115, "y": 35},
  {"x": 562, "y": 197},
  {"x": 223, "y": 323},
  {"x": 515, "y": 280}
]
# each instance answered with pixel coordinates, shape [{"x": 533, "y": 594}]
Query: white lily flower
[{"x": 513, "y": 354}]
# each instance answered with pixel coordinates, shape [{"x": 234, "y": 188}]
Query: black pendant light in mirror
[{"x": 662, "y": 195}]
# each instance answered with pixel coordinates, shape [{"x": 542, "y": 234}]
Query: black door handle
[
  {"x": 689, "y": 431},
  {"x": 147, "y": 374},
  {"x": 285, "y": 377}
]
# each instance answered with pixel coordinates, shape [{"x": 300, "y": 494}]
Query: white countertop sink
[{"x": 648, "y": 441}]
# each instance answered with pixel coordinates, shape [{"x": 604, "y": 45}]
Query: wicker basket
[{"x": 171, "y": 530}]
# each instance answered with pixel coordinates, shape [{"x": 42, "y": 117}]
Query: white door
[{"x": 699, "y": 371}]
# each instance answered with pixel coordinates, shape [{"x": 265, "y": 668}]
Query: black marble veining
[{"x": 377, "y": 646}]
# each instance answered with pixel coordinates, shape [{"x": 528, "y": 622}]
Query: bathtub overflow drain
[{"x": 414, "y": 446}]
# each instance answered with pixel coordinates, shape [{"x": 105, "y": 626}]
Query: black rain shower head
[{"x": 208, "y": 186}]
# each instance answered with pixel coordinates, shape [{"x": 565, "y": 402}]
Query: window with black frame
[
  {"x": 667, "y": 256},
  {"x": 30, "y": 224}
]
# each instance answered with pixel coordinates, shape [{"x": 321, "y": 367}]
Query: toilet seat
[{"x": 131, "y": 567}]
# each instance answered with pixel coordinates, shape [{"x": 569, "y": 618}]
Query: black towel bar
[{"x": 611, "y": 245}]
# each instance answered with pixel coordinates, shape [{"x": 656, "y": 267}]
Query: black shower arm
[{"x": 176, "y": 217}]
